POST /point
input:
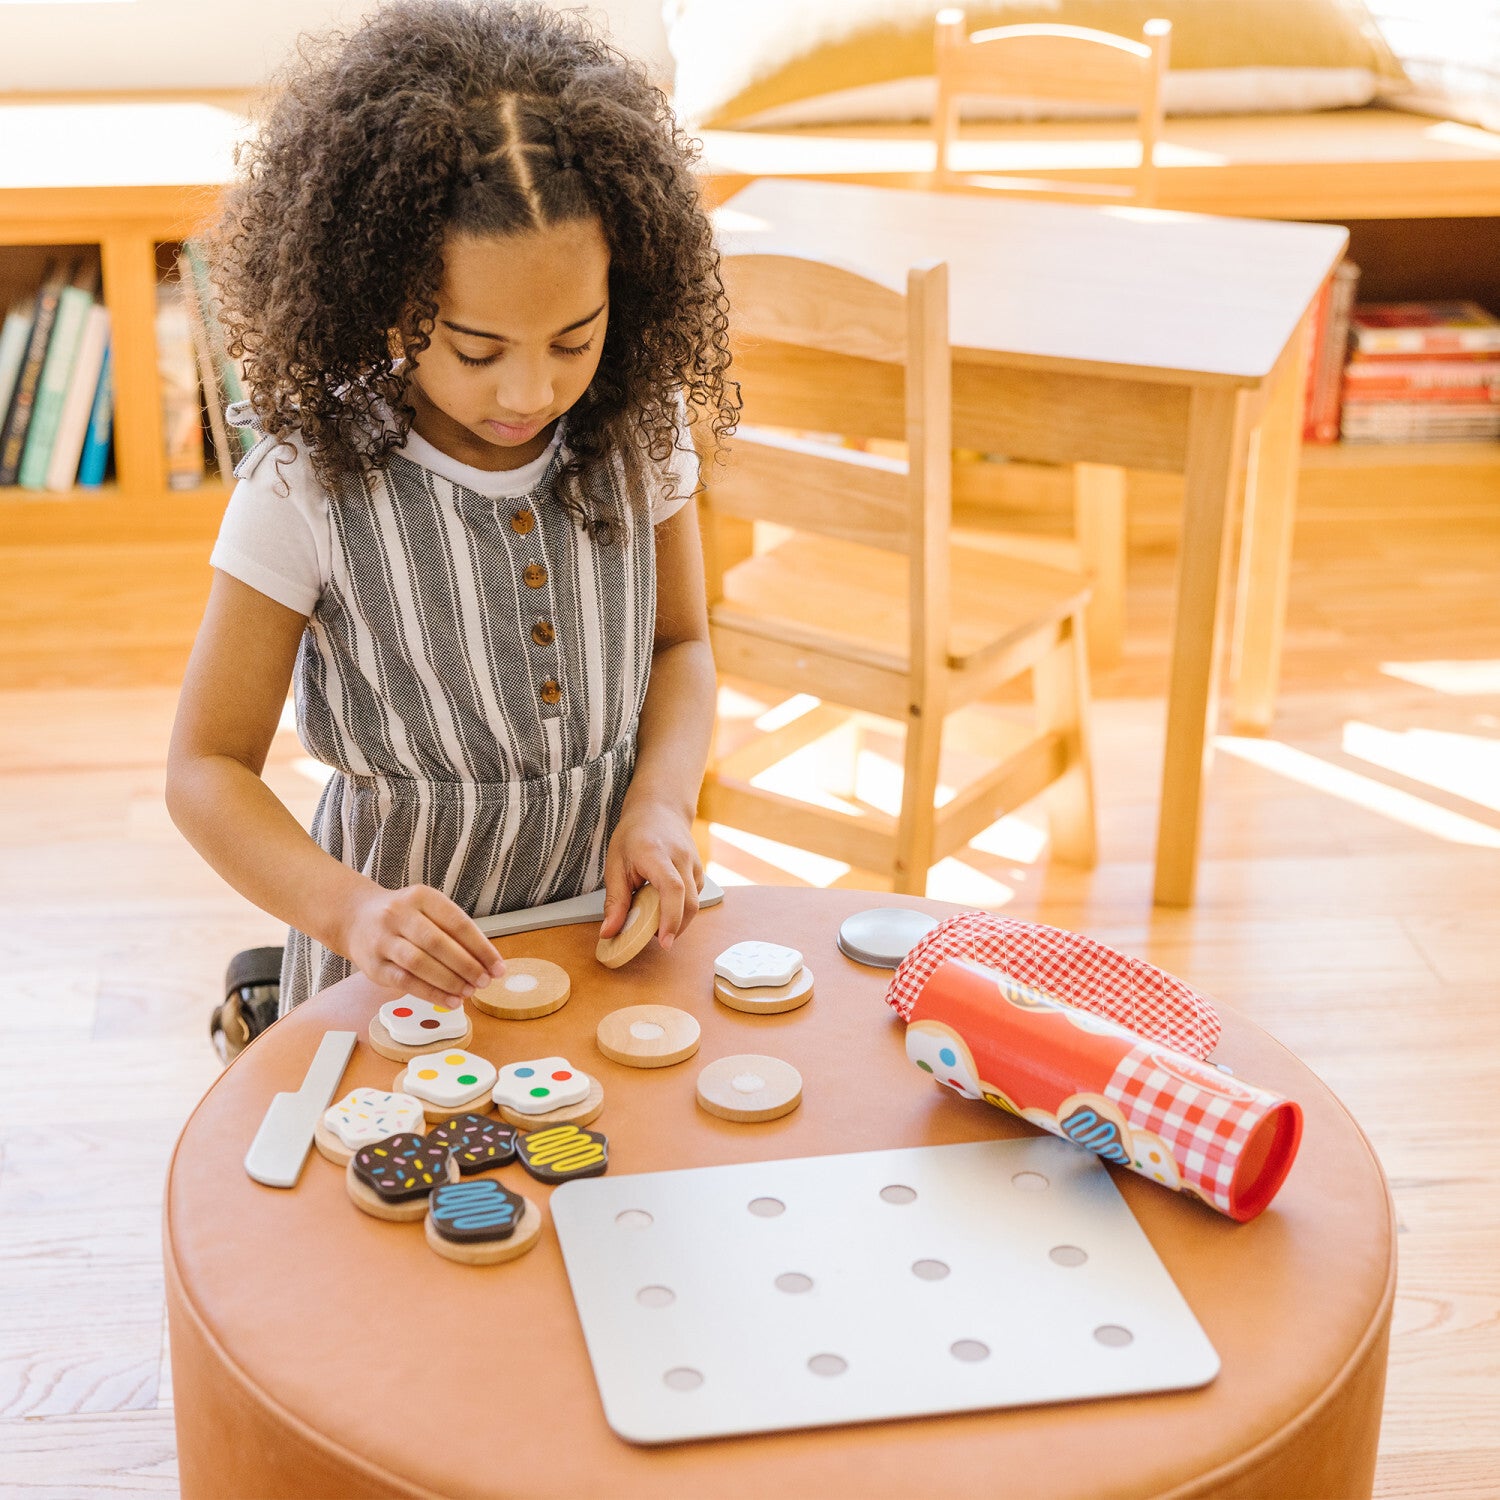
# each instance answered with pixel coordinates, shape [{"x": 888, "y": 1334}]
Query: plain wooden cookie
[
  {"x": 747, "y": 1088},
  {"x": 330, "y": 1146},
  {"x": 765, "y": 1001},
  {"x": 386, "y": 1045},
  {"x": 490, "y": 1252},
  {"x": 641, "y": 922},
  {"x": 582, "y": 1113},
  {"x": 648, "y": 1036},
  {"x": 530, "y": 987}
]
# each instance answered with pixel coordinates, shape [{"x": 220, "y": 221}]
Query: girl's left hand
[{"x": 652, "y": 843}]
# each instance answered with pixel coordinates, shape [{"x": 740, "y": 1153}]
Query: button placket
[{"x": 523, "y": 523}]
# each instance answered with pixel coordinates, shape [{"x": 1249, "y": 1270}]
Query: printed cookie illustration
[
  {"x": 482, "y": 1210},
  {"x": 561, "y": 1152},
  {"x": 477, "y": 1142},
  {"x": 420, "y": 1023},
  {"x": 751, "y": 965},
  {"x": 1153, "y": 1160},
  {"x": 364, "y": 1116},
  {"x": 939, "y": 1050},
  {"x": 540, "y": 1085},
  {"x": 448, "y": 1080},
  {"x": 401, "y": 1167},
  {"x": 1096, "y": 1122}
]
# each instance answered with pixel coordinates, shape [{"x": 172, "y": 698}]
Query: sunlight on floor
[
  {"x": 813, "y": 869},
  {"x": 1466, "y": 765},
  {"x": 1362, "y": 791},
  {"x": 1461, "y": 679}
]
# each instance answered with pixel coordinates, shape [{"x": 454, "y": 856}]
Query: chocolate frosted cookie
[
  {"x": 401, "y": 1167},
  {"x": 478, "y": 1142},
  {"x": 561, "y": 1152},
  {"x": 471, "y": 1212}
]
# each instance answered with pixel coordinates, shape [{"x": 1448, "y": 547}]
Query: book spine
[
  {"x": 18, "y": 418},
  {"x": 1431, "y": 395},
  {"x": 52, "y": 389},
  {"x": 1420, "y": 375},
  {"x": 73, "y": 423},
  {"x": 182, "y": 409},
  {"x": 208, "y": 374},
  {"x": 13, "y": 339},
  {"x": 1409, "y": 341},
  {"x": 95, "y": 457}
]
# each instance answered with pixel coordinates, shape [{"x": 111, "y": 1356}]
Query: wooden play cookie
[
  {"x": 766, "y": 1000},
  {"x": 478, "y": 1142},
  {"x": 362, "y": 1117},
  {"x": 530, "y": 987},
  {"x": 481, "y": 1223},
  {"x": 392, "y": 1178},
  {"x": 641, "y": 922},
  {"x": 405, "y": 1028},
  {"x": 648, "y": 1036},
  {"x": 748, "y": 1087},
  {"x": 447, "y": 1081},
  {"x": 755, "y": 965},
  {"x": 587, "y": 1110},
  {"x": 562, "y": 1152}
]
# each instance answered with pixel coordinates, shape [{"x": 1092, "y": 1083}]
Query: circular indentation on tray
[
  {"x": 970, "y": 1351},
  {"x": 656, "y": 1296},
  {"x": 898, "y": 1192},
  {"x": 634, "y": 1218},
  {"x": 827, "y": 1364},
  {"x": 767, "y": 1208},
  {"x": 1112, "y": 1336},
  {"x": 929, "y": 1270},
  {"x": 1068, "y": 1255},
  {"x": 793, "y": 1281},
  {"x": 1029, "y": 1182},
  {"x": 683, "y": 1379}
]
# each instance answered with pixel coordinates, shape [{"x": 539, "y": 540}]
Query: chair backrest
[
  {"x": 820, "y": 348},
  {"x": 1067, "y": 63}
]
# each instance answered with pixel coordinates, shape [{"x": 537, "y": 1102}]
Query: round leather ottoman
[{"x": 320, "y": 1352}]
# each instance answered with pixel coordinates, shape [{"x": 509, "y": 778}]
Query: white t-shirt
[{"x": 274, "y": 536}]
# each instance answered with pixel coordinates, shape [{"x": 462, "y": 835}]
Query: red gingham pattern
[
  {"x": 1204, "y": 1129},
  {"x": 1070, "y": 968}
]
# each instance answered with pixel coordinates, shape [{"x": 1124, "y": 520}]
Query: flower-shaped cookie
[
  {"x": 449, "y": 1080},
  {"x": 420, "y": 1023},
  {"x": 753, "y": 964},
  {"x": 540, "y": 1085},
  {"x": 363, "y": 1116}
]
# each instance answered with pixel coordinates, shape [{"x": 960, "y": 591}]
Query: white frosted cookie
[
  {"x": 362, "y": 1117},
  {"x": 753, "y": 965},
  {"x": 447, "y": 1080},
  {"x": 403, "y": 1028},
  {"x": 766, "y": 1000},
  {"x": 540, "y": 1084}
]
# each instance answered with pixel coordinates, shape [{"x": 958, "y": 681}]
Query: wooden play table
[{"x": 319, "y": 1352}]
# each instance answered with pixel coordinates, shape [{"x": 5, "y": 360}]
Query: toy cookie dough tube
[{"x": 1137, "y": 1103}]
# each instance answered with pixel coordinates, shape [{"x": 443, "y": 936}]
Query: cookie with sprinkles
[
  {"x": 393, "y": 1178},
  {"x": 478, "y": 1142},
  {"x": 561, "y": 1152},
  {"x": 405, "y": 1028},
  {"x": 362, "y": 1117},
  {"x": 481, "y": 1222}
]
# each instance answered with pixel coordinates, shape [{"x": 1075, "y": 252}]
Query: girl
[{"x": 475, "y": 294}]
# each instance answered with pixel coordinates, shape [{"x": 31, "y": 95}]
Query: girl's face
[{"x": 520, "y": 327}]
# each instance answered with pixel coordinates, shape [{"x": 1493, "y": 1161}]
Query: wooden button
[
  {"x": 766, "y": 1001},
  {"x": 530, "y": 987},
  {"x": 490, "y": 1252},
  {"x": 543, "y": 633},
  {"x": 549, "y": 691},
  {"x": 535, "y": 576},
  {"x": 522, "y": 522},
  {"x": 747, "y": 1087},
  {"x": 648, "y": 1036},
  {"x": 641, "y": 922}
]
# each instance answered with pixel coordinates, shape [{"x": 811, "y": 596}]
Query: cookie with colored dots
[
  {"x": 481, "y": 1223},
  {"x": 362, "y": 1117},
  {"x": 447, "y": 1081},
  {"x": 585, "y": 1112},
  {"x": 478, "y": 1142},
  {"x": 766, "y": 1000},
  {"x": 405, "y": 1028},
  {"x": 530, "y": 987},
  {"x": 562, "y": 1152},
  {"x": 540, "y": 1084},
  {"x": 756, "y": 965},
  {"x": 391, "y": 1179},
  {"x": 749, "y": 1088},
  {"x": 641, "y": 922},
  {"x": 648, "y": 1036}
]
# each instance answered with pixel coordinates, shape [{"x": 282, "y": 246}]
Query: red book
[{"x": 1407, "y": 328}]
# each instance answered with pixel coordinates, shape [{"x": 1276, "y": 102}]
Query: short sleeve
[
  {"x": 274, "y": 536},
  {"x": 677, "y": 479}
]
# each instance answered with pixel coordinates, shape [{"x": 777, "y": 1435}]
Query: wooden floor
[{"x": 1349, "y": 899}]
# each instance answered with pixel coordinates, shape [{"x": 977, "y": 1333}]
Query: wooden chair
[
  {"x": 864, "y": 604},
  {"x": 1080, "y": 66}
]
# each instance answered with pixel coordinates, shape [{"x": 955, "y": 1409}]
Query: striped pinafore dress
[{"x": 473, "y": 672}]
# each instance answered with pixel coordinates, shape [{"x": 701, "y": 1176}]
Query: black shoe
[{"x": 252, "y": 993}]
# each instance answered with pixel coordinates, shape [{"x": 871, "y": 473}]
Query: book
[
  {"x": 13, "y": 338},
  {"x": 1425, "y": 328},
  {"x": 1365, "y": 377},
  {"x": 229, "y": 383},
  {"x": 1416, "y": 422},
  {"x": 18, "y": 418},
  {"x": 208, "y": 373},
  {"x": 95, "y": 457},
  {"x": 1329, "y": 375},
  {"x": 73, "y": 306},
  {"x": 72, "y": 424},
  {"x": 177, "y": 371}
]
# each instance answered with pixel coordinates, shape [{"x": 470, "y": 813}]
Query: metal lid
[{"x": 884, "y": 935}]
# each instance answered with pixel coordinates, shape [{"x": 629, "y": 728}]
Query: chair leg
[
  {"x": 1099, "y": 521},
  {"x": 916, "y": 831},
  {"x": 1061, "y": 684}
]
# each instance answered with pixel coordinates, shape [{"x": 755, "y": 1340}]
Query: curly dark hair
[{"x": 479, "y": 117}]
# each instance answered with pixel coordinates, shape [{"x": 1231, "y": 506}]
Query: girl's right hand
[{"x": 417, "y": 940}]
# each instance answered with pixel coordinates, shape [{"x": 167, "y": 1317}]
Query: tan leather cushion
[{"x": 317, "y": 1351}]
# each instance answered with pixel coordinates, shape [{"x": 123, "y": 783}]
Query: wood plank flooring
[{"x": 1348, "y": 902}]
